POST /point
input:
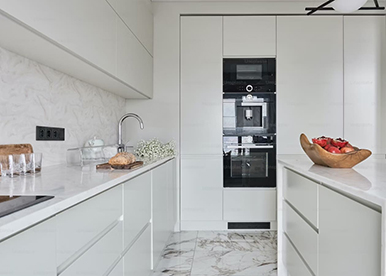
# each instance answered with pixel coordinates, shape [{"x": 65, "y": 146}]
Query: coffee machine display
[{"x": 248, "y": 114}]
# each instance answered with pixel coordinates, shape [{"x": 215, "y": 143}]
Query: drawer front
[
  {"x": 243, "y": 205},
  {"x": 100, "y": 257},
  {"x": 118, "y": 269},
  {"x": 302, "y": 193},
  {"x": 80, "y": 224},
  {"x": 137, "y": 206},
  {"x": 31, "y": 252},
  {"x": 138, "y": 259},
  {"x": 302, "y": 235},
  {"x": 292, "y": 261}
]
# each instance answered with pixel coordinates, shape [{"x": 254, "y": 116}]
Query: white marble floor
[{"x": 220, "y": 253}]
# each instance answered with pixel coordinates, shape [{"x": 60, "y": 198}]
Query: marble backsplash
[{"x": 32, "y": 94}]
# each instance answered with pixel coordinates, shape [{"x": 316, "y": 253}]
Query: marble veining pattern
[
  {"x": 220, "y": 253},
  {"x": 32, "y": 94}
]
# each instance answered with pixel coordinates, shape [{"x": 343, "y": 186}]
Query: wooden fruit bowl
[{"x": 320, "y": 156}]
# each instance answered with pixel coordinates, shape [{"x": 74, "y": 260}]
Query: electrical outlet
[{"x": 50, "y": 133}]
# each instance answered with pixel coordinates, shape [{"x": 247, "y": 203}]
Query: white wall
[{"x": 32, "y": 94}]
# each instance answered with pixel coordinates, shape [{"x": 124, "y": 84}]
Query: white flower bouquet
[{"x": 155, "y": 150}]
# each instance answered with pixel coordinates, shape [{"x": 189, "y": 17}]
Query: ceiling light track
[{"x": 323, "y": 7}]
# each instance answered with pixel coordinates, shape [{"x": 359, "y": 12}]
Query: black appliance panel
[
  {"x": 249, "y": 75},
  {"x": 254, "y": 167}
]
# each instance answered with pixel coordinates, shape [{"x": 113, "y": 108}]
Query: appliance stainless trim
[
  {"x": 250, "y": 147},
  {"x": 9, "y": 205}
]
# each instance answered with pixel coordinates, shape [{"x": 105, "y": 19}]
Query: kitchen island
[
  {"x": 331, "y": 221},
  {"x": 99, "y": 221}
]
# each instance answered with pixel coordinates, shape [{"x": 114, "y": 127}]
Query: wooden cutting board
[
  {"x": 16, "y": 149},
  {"x": 107, "y": 166}
]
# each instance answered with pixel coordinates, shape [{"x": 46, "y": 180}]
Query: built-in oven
[
  {"x": 249, "y": 75},
  {"x": 249, "y": 161}
]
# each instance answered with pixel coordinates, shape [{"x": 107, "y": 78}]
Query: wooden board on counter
[
  {"x": 15, "y": 149},
  {"x": 107, "y": 166}
]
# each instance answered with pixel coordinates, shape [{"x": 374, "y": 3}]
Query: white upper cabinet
[
  {"x": 364, "y": 44},
  {"x": 134, "y": 63},
  {"x": 201, "y": 85},
  {"x": 309, "y": 79},
  {"x": 249, "y": 36},
  {"x": 86, "y": 39},
  {"x": 87, "y": 27},
  {"x": 138, "y": 16}
]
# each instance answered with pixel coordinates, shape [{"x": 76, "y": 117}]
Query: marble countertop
[
  {"x": 367, "y": 180},
  {"x": 69, "y": 185}
]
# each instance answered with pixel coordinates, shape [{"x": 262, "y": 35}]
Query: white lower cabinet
[
  {"x": 303, "y": 236},
  {"x": 108, "y": 234},
  {"x": 137, "y": 206},
  {"x": 201, "y": 188},
  {"x": 79, "y": 225},
  {"x": 255, "y": 205},
  {"x": 292, "y": 260},
  {"x": 347, "y": 241},
  {"x": 31, "y": 252},
  {"x": 137, "y": 261},
  {"x": 162, "y": 211},
  {"x": 349, "y": 238},
  {"x": 98, "y": 259}
]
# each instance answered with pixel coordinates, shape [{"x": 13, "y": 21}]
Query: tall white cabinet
[
  {"x": 309, "y": 79},
  {"x": 201, "y": 119},
  {"x": 364, "y": 80},
  {"x": 250, "y": 36}
]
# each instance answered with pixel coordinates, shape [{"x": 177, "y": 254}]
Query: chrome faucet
[{"x": 121, "y": 146}]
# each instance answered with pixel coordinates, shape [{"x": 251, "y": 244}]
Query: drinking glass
[
  {"x": 34, "y": 162},
  {"x": 19, "y": 162},
  {"x": 7, "y": 165}
]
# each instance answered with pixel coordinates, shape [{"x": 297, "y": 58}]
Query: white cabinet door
[
  {"x": 87, "y": 27},
  {"x": 256, "y": 205},
  {"x": 201, "y": 85},
  {"x": 249, "y": 36},
  {"x": 349, "y": 237},
  {"x": 137, "y": 206},
  {"x": 134, "y": 64},
  {"x": 100, "y": 257},
  {"x": 79, "y": 225},
  {"x": 137, "y": 260},
  {"x": 309, "y": 79},
  {"x": 138, "y": 16},
  {"x": 31, "y": 252},
  {"x": 162, "y": 222},
  {"x": 364, "y": 44},
  {"x": 201, "y": 188}
]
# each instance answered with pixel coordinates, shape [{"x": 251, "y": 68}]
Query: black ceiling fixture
[{"x": 323, "y": 7}]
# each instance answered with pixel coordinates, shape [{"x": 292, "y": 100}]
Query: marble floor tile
[
  {"x": 234, "y": 262},
  {"x": 183, "y": 240},
  {"x": 220, "y": 254},
  {"x": 175, "y": 262}
]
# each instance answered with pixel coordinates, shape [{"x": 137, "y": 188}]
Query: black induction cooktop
[{"x": 11, "y": 204}]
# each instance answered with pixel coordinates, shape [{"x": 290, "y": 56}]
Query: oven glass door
[
  {"x": 249, "y": 166},
  {"x": 254, "y": 167}
]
